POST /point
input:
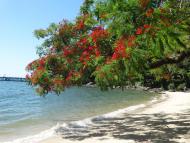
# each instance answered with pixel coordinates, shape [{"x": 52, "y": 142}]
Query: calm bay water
[{"x": 23, "y": 113}]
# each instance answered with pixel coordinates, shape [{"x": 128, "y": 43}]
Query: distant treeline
[{"x": 18, "y": 79}]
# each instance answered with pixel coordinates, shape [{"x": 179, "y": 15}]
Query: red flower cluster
[
  {"x": 69, "y": 76},
  {"x": 80, "y": 23},
  {"x": 72, "y": 74},
  {"x": 143, "y": 29},
  {"x": 147, "y": 26},
  {"x": 120, "y": 50},
  {"x": 97, "y": 52},
  {"x": 85, "y": 57},
  {"x": 99, "y": 33},
  {"x": 87, "y": 50},
  {"x": 42, "y": 62},
  {"x": 82, "y": 43},
  {"x": 139, "y": 31},
  {"x": 67, "y": 51},
  {"x": 131, "y": 41},
  {"x": 86, "y": 54},
  {"x": 36, "y": 75},
  {"x": 38, "y": 64}
]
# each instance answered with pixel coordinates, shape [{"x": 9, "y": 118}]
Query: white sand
[
  {"x": 177, "y": 102},
  {"x": 91, "y": 140}
]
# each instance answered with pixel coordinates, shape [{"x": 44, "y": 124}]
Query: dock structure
[{"x": 16, "y": 79}]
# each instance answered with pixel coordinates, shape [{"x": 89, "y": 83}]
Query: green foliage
[{"x": 114, "y": 43}]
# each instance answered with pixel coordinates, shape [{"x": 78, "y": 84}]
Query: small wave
[
  {"x": 79, "y": 127},
  {"x": 36, "y": 138}
]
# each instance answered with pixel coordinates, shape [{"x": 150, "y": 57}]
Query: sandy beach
[{"x": 167, "y": 120}]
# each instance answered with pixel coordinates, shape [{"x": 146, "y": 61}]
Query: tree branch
[{"x": 175, "y": 60}]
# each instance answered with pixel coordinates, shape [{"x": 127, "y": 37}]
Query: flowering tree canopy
[{"x": 114, "y": 43}]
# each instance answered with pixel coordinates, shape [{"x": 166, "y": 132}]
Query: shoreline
[{"x": 167, "y": 116}]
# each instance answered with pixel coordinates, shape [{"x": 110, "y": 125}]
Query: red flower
[
  {"x": 131, "y": 40},
  {"x": 87, "y": 57},
  {"x": 81, "y": 59},
  {"x": 130, "y": 44},
  {"x": 67, "y": 52},
  {"x": 147, "y": 26},
  {"x": 90, "y": 48},
  {"x": 69, "y": 76},
  {"x": 97, "y": 52},
  {"x": 85, "y": 53},
  {"x": 139, "y": 31},
  {"x": 84, "y": 62},
  {"x": 98, "y": 33},
  {"x": 42, "y": 62},
  {"x": 82, "y": 43},
  {"x": 120, "y": 50},
  {"x": 80, "y": 25},
  {"x": 115, "y": 56},
  {"x": 40, "y": 68}
]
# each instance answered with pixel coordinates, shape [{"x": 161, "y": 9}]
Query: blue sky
[{"x": 18, "y": 20}]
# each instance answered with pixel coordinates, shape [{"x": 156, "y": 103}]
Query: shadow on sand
[{"x": 156, "y": 128}]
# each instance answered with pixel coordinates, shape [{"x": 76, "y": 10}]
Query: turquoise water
[{"x": 23, "y": 113}]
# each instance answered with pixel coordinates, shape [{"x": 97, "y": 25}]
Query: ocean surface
[{"x": 26, "y": 117}]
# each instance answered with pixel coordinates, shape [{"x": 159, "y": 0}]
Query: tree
[{"x": 113, "y": 43}]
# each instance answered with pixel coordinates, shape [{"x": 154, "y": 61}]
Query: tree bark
[{"x": 166, "y": 61}]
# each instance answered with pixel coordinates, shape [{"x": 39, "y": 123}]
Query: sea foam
[{"x": 77, "y": 124}]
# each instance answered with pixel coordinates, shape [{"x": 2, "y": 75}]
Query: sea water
[{"x": 24, "y": 115}]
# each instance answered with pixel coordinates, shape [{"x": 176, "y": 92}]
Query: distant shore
[
  {"x": 15, "y": 79},
  {"x": 167, "y": 120}
]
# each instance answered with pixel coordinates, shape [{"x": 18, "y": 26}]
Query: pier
[{"x": 16, "y": 79}]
